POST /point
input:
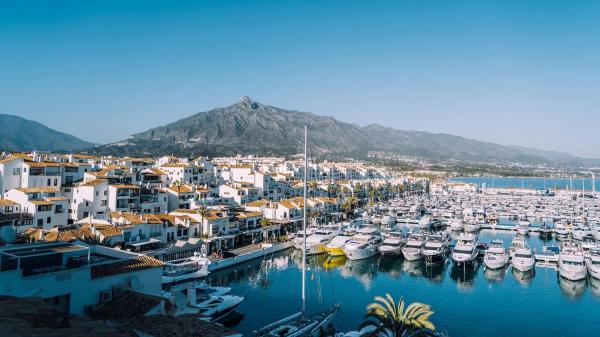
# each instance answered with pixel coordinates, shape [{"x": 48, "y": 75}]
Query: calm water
[
  {"x": 531, "y": 183},
  {"x": 476, "y": 303}
]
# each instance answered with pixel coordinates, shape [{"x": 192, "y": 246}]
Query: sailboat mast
[{"x": 304, "y": 218}]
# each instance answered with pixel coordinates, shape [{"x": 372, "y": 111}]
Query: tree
[
  {"x": 386, "y": 318},
  {"x": 202, "y": 211}
]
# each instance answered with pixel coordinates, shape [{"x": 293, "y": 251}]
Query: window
[
  {"x": 17, "y": 171},
  {"x": 87, "y": 204},
  {"x": 49, "y": 182},
  {"x": 55, "y": 182},
  {"x": 48, "y": 219},
  {"x": 96, "y": 193},
  {"x": 40, "y": 222},
  {"x": 44, "y": 208}
]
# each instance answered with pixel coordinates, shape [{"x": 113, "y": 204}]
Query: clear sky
[{"x": 512, "y": 72}]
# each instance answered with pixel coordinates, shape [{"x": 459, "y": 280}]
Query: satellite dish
[{"x": 134, "y": 282}]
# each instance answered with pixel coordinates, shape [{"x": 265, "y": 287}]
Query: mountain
[
  {"x": 20, "y": 134},
  {"x": 254, "y": 128}
]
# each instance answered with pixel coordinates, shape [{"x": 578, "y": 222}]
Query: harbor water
[
  {"x": 536, "y": 183},
  {"x": 466, "y": 302}
]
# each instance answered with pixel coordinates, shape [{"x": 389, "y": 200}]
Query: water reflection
[
  {"x": 413, "y": 268},
  {"x": 523, "y": 277},
  {"x": 435, "y": 273},
  {"x": 595, "y": 286},
  {"x": 495, "y": 275},
  {"x": 391, "y": 265},
  {"x": 573, "y": 289},
  {"x": 464, "y": 276}
]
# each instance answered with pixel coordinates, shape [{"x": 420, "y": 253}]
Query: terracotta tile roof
[
  {"x": 94, "y": 182},
  {"x": 180, "y": 165},
  {"x": 42, "y": 202},
  {"x": 245, "y": 215},
  {"x": 42, "y": 164},
  {"x": 127, "y": 266},
  {"x": 123, "y": 186},
  {"x": 8, "y": 202},
  {"x": 56, "y": 199},
  {"x": 38, "y": 189},
  {"x": 181, "y": 189},
  {"x": 130, "y": 304},
  {"x": 109, "y": 231},
  {"x": 258, "y": 203}
]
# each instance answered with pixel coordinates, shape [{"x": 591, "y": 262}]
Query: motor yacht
[
  {"x": 545, "y": 230},
  {"x": 362, "y": 246},
  {"x": 523, "y": 259},
  {"x": 436, "y": 248},
  {"x": 178, "y": 273},
  {"x": 426, "y": 222},
  {"x": 336, "y": 246},
  {"x": 317, "y": 241},
  {"x": 593, "y": 264},
  {"x": 561, "y": 231},
  {"x": 413, "y": 249},
  {"x": 298, "y": 241},
  {"x": 465, "y": 252},
  {"x": 472, "y": 226},
  {"x": 523, "y": 228},
  {"x": 571, "y": 262},
  {"x": 517, "y": 243},
  {"x": 455, "y": 224},
  {"x": 392, "y": 244},
  {"x": 495, "y": 256}
]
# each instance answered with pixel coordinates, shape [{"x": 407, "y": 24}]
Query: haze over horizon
[{"x": 521, "y": 73}]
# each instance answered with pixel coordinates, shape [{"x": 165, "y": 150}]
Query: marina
[{"x": 461, "y": 298}]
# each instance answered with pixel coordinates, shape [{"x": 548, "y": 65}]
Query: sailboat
[{"x": 301, "y": 324}]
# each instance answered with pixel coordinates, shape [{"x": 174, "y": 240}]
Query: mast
[{"x": 304, "y": 219}]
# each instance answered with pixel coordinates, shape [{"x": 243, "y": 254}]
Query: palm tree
[
  {"x": 386, "y": 318},
  {"x": 202, "y": 211}
]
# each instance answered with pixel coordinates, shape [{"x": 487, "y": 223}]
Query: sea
[
  {"x": 537, "y": 183},
  {"x": 466, "y": 302}
]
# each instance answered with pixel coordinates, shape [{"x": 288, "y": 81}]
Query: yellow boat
[
  {"x": 335, "y": 251},
  {"x": 334, "y": 262}
]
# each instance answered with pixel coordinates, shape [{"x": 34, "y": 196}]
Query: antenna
[{"x": 304, "y": 219}]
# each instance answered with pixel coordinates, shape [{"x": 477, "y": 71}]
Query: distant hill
[
  {"x": 20, "y": 134},
  {"x": 253, "y": 128}
]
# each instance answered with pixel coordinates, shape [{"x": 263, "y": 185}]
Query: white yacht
[
  {"x": 362, "y": 246},
  {"x": 593, "y": 264},
  {"x": 426, "y": 222},
  {"x": 436, "y": 248},
  {"x": 561, "y": 231},
  {"x": 466, "y": 251},
  {"x": 472, "y": 226},
  {"x": 298, "y": 241},
  {"x": 523, "y": 259},
  {"x": 495, "y": 256},
  {"x": 455, "y": 224},
  {"x": 209, "y": 302},
  {"x": 523, "y": 228},
  {"x": 178, "y": 273},
  {"x": 317, "y": 241},
  {"x": 392, "y": 244},
  {"x": 571, "y": 262},
  {"x": 413, "y": 249},
  {"x": 336, "y": 246},
  {"x": 517, "y": 243}
]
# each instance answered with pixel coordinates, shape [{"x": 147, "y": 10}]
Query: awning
[{"x": 145, "y": 242}]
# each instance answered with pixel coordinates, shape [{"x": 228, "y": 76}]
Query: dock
[{"x": 247, "y": 253}]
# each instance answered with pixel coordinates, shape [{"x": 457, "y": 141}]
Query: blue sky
[{"x": 511, "y": 72}]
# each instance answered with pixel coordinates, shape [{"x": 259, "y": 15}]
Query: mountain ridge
[
  {"x": 254, "y": 128},
  {"x": 26, "y": 135}
]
